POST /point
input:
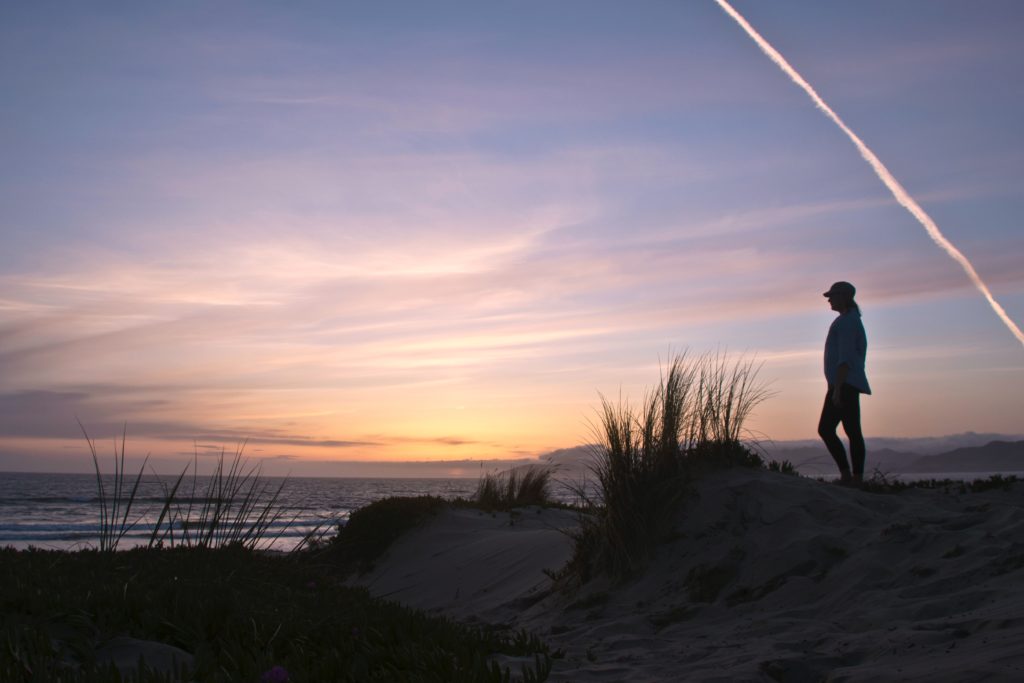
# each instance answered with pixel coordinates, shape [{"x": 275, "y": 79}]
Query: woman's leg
[
  {"x": 830, "y": 418},
  {"x": 850, "y": 417}
]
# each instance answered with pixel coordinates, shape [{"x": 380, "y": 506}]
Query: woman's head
[{"x": 840, "y": 296}]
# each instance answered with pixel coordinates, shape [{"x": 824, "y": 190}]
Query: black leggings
[{"x": 847, "y": 412}]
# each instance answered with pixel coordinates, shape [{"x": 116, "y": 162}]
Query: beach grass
[
  {"x": 517, "y": 487},
  {"x": 236, "y": 507},
  {"x": 648, "y": 456},
  {"x": 116, "y": 502},
  {"x": 239, "y": 612}
]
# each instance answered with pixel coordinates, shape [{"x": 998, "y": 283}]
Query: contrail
[{"x": 883, "y": 173}]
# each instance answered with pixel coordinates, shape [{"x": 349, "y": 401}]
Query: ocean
[{"x": 62, "y": 511}]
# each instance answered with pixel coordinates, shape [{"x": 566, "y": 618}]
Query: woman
[{"x": 845, "y": 350}]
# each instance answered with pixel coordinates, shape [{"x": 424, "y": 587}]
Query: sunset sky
[{"x": 387, "y": 231}]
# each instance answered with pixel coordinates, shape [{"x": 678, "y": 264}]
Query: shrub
[
  {"x": 883, "y": 483},
  {"x": 644, "y": 463},
  {"x": 528, "y": 485},
  {"x": 995, "y": 481},
  {"x": 370, "y": 530}
]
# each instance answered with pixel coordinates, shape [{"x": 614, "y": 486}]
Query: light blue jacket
[{"x": 847, "y": 343}]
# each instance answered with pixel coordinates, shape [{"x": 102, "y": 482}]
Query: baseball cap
[{"x": 842, "y": 288}]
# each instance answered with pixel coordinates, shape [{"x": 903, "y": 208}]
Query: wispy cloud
[{"x": 405, "y": 236}]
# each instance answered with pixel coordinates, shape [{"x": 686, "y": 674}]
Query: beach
[{"x": 767, "y": 577}]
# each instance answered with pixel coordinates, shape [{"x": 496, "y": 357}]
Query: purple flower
[{"x": 277, "y": 674}]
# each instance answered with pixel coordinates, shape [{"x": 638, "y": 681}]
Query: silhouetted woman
[{"x": 845, "y": 349}]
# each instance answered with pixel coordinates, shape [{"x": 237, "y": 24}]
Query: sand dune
[{"x": 771, "y": 577}]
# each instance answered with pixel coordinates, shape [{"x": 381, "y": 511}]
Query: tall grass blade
[
  {"x": 170, "y": 496},
  {"x": 115, "y": 509}
]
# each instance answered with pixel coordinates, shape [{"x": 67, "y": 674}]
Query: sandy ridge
[{"x": 770, "y": 577}]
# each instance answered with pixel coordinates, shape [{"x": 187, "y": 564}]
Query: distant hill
[
  {"x": 887, "y": 455},
  {"x": 816, "y": 461},
  {"x": 995, "y": 456},
  {"x": 919, "y": 445}
]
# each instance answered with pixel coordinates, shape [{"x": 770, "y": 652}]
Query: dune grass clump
[
  {"x": 520, "y": 486},
  {"x": 647, "y": 457},
  {"x": 239, "y": 613},
  {"x": 237, "y": 507}
]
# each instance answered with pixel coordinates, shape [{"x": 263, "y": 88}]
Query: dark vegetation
[
  {"x": 784, "y": 467},
  {"x": 882, "y": 483},
  {"x": 202, "y": 583},
  {"x": 239, "y": 612},
  {"x": 371, "y": 529}
]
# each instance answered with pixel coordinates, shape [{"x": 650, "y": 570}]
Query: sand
[{"x": 771, "y": 577}]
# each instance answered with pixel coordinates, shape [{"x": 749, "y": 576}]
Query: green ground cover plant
[{"x": 239, "y": 612}]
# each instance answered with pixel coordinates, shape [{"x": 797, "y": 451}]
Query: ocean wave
[
  {"x": 9, "y": 529},
  {"x": 73, "y": 500},
  {"x": 62, "y": 511}
]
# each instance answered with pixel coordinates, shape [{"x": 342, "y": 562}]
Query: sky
[{"x": 440, "y": 231}]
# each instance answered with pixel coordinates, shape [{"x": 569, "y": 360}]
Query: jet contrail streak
[{"x": 883, "y": 173}]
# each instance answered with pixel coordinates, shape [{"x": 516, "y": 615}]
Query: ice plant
[{"x": 276, "y": 674}]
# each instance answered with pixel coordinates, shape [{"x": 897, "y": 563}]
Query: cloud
[
  {"x": 242, "y": 324},
  {"x": 56, "y": 414},
  {"x": 243, "y": 436},
  {"x": 110, "y": 410},
  {"x": 441, "y": 440},
  {"x": 107, "y": 411}
]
